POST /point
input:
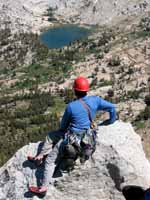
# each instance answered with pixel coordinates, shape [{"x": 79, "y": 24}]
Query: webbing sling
[
  {"x": 90, "y": 148},
  {"x": 88, "y": 111}
]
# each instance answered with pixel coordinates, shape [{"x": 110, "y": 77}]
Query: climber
[{"x": 75, "y": 124}]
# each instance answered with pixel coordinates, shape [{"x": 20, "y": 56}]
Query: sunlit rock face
[
  {"x": 119, "y": 160},
  {"x": 31, "y": 15}
]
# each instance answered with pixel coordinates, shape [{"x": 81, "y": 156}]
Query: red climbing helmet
[{"x": 81, "y": 84}]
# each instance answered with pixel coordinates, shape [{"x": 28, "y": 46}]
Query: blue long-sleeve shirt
[{"x": 76, "y": 117}]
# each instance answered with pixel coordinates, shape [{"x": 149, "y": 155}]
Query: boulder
[{"x": 119, "y": 160}]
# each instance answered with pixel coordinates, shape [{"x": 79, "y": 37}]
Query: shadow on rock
[
  {"x": 33, "y": 164},
  {"x": 28, "y": 195},
  {"x": 133, "y": 192},
  {"x": 115, "y": 175},
  {"x": 31, "y": 195},
  {"x": 29, "y": 164}
]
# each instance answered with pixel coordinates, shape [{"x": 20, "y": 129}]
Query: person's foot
[
  {"x": 38, "y": 190},
  {"x": 39, "y": 157},
  {"x": 30, "y": 158}
]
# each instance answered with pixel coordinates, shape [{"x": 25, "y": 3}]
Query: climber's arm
[
  {"x": 110, "y": 108},
  {"x": 65, "y": 119}
]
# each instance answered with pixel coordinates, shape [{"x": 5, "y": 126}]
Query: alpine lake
[{"x": 61, "y": 36}]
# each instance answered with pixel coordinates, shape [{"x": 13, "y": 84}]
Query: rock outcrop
[
  {"x": 23, "y": 15},
  {"x": 98, "y": 11},
  {"x": 119, "y": 160},
  {"x": 32, "y": 15}
]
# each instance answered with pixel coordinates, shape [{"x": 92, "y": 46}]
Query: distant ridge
[{"x": 29, "y": 15}]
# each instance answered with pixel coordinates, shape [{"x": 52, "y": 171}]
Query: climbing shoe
[{"x": 37, "y": 190}]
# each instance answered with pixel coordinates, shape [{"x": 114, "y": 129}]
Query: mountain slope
[
  {"x": 99, "y": 11},
  {"x": 28, "y": 15},
  {"x": 115, "y": 59},
  {"x": 23, "y": 15}
]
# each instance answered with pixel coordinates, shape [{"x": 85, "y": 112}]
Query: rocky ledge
[{"x": 119, "y": 160}]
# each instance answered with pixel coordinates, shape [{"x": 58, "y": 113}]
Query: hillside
[
  {"x": 23, "y": 15},
  {"x": 36, "y": 83},
  {"x": 32, "y": 15}
]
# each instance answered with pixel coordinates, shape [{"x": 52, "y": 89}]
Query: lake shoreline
[{"x": 63, "y": 34}]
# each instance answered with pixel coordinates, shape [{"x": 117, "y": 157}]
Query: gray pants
[
  {"x": 51, "y": 139},
  {"x": 55, "y": 137},
  {"x": 52, "y": 154},
  {"x": 50, "y": 165}
]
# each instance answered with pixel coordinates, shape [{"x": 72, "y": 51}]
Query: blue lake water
[{"x": 59, "y": 37}]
